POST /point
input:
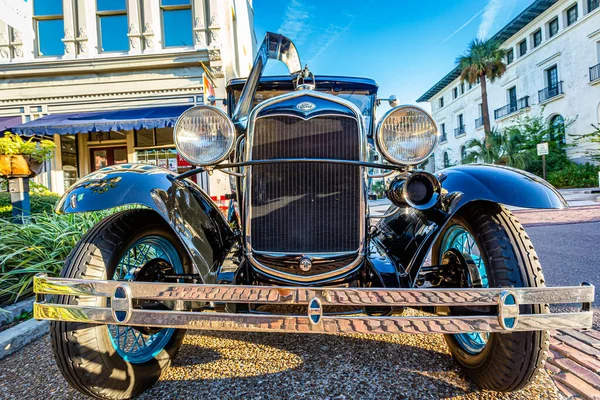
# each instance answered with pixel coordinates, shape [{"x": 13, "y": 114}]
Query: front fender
[
  {"x": 407, "y": 235},
  {"x": 504, "y": 185},
  {"x": 195, "y": 219}
]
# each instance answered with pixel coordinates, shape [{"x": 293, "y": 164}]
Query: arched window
[
  {"x": 446, "y": 160},
  {"x": 463, "y": 154},
  {"x": 557, "y": 123}
]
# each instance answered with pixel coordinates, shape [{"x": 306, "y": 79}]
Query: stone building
[
  {"x": 106, "y": 79},
  {"x": 553, "y": 63}
]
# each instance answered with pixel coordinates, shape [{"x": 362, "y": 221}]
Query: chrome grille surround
[{"x": 255, "y": 256}]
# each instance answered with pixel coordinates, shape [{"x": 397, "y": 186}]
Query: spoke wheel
[
  {"x": 457, "y": 237},
  {"x": 497, "y": 253},
  {"x": 133, "y": 344}
]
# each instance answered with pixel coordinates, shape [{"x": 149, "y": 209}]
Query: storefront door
[{"x": 105, "y": 156}]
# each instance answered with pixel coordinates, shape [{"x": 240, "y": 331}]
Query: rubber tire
[
  {"x": 509, "y": 361},
  {"x": 84, "y": 352}
]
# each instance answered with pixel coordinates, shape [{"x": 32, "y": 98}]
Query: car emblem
[
  {"x": 305, "y": 264},
  {"x": 306, "y": 106}
]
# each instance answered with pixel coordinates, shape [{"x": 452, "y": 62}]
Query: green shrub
[
  {"x": 43, "y": 202},
  {"x": 39, "y": 246},
  {"x": 573, "y": 175}
]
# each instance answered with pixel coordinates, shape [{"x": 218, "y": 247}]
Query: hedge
[{"x": 40, "y": 203}]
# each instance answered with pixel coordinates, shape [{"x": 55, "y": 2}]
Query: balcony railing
[
  {"x": 478, "y": 123},
  {"x": 459, "y": 131},
  {"x": 594, "y": 73},
  {"x": 550, "y": 92},
  {"x": 508, "y": 109}
]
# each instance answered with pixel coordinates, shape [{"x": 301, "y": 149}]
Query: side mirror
[{"x": 393, "y": 100}]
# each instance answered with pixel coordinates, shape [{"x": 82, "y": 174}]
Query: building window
[
  {"x": 444, "y": 136},
  {"x": 553, "y": 27},
  {"x": 455, "y": 93},
  {"x": 510, "y": 56},
  {"x": 441, "y": 102},
  {"x": 592, "y": 5},
  {"x": 177, "y": 22},
  {"x": 522, "y": 48},
  {"x": 462, "y": 88},
  {"x": 103, "y": 136},
  {"x": 537, "y": 38},
  {"x": 512, "y": 98},
  {"x": 552, "y": 77},
  {"x": 154, "y": 137},
  {"x": 572, "y": 15},
  {"x": 68, "y": 155},
  {"x": 446, "y": 160},
  {"x": 112, "y": 25},
  {"x": 49, "y": 27}
]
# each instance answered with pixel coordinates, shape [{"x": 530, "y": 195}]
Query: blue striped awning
[{"x": 102, "y": 121}]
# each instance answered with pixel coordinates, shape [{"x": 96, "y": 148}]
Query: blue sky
[{"x": 406, "y": 46}]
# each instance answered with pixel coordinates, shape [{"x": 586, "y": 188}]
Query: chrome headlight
[
  {"x": 204, "y": 135},
  {"x": 406, "y": 135}
]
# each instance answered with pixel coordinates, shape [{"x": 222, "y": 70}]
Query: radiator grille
[{"x": 305, "y": 207}]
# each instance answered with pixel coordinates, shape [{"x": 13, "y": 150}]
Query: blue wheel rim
[
  {"x": 133, "y": 345},
  {"x": 460, "y": 239}
]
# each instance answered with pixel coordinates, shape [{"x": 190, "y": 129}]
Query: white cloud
[
  {"x": 295, "y": 23},
  {"x": 331, "y": 34},
  {"x": 464, "y": 25},
  {"x": 494, "y": 10}
]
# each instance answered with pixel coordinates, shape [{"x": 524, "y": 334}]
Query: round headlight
[
  {"x": 204, "y": 135},
  {"x": 406, "y": 135}
]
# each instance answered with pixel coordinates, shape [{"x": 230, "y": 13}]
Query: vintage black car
[{"x": 299, "y": 251}]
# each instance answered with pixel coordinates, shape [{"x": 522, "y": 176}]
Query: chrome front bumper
[{"x": 122, "y": 294}]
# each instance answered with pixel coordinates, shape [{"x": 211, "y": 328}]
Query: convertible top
[{"x": 286, "y": 82}]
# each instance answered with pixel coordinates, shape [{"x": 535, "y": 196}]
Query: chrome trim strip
[
  {"x": 302, "y": 324},
  {"x": 43, "y": 285},
  {"x": 305, "y": 278},
  {"x": 248, "y": 182}
]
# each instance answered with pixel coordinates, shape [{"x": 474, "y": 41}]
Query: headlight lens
[
  {"x": 407, "y": 135},
  {"x": 204, "y": 135}
]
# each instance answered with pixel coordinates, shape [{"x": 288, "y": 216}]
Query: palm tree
[
  {"x": 487, "y": 150},
  {"x": 513, "y": 152},
  {"x": 483, "y": 59}
]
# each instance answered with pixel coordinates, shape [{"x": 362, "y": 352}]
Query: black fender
[
  {"x": 190, "y": 212},
  {"x": 407, "y": 235}
]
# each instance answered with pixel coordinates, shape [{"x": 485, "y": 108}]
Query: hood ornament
[{"x": 305, "y": 80}]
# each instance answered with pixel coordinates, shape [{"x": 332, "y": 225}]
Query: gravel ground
[{"x": 216, "y": 365}]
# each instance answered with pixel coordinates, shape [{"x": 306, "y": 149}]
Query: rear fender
[
  {"x": 195, "y": 219},
  {"x": 408, "y": 235}
]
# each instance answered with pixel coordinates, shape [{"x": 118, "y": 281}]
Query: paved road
[{"x": 570, "y": 254}]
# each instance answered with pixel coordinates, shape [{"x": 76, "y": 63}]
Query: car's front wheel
[
  {"x": 110, "y": 361},
  {"x": 492, "y": 237}
]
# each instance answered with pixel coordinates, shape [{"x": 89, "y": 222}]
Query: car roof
[{"x": 286, "y": 82}]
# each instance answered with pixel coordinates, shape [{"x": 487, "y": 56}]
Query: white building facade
[
  {"x": 553, "y": 64},
  {"x": 115, "y": 55}
]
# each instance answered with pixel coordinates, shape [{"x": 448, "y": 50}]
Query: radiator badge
[
  {"x": 305, "y": 264},
  {"x": 306, "y": 106}
]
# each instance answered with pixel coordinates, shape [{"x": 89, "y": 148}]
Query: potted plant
[{"x": 23, "y": 159}]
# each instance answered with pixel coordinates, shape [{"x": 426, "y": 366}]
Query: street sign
[{"x": 542, "y": 149}]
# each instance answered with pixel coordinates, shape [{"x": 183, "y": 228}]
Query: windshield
[{"x": 360, "y": 98}]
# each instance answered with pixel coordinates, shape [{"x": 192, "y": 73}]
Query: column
[
  {"x": 69, "y": 26},
  {"x": 152, "y": 31},
  {"x": 87, "y": 33},
  {"x": 135, "y": 29},
  {"x": 200, "y": 23}
]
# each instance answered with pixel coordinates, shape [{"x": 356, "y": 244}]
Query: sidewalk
[
  {"x": 574, "y": 363},
  {"x": 573, "y": 215}
]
